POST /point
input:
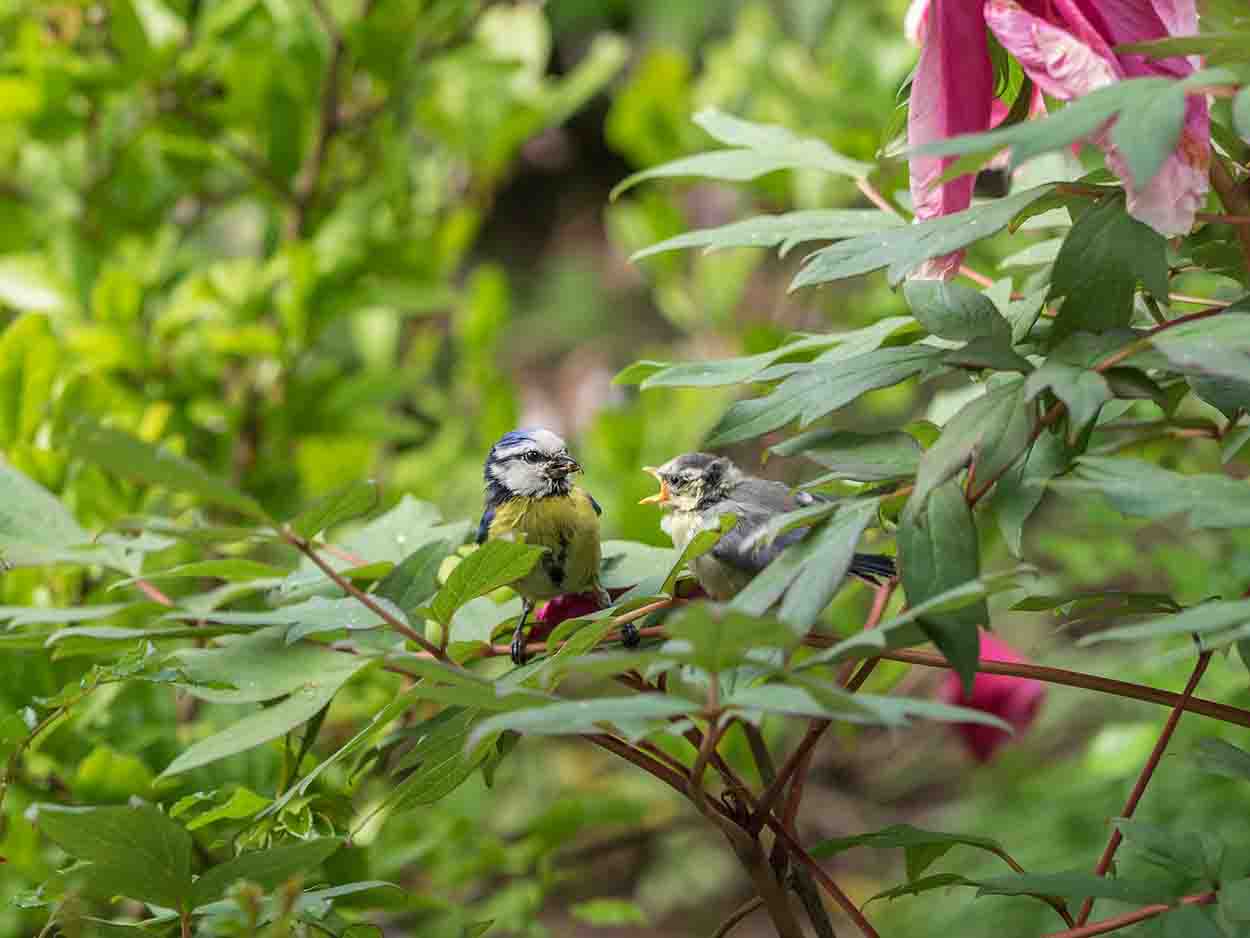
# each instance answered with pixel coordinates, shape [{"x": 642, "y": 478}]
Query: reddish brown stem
[
  {"x": 152, "y": 593},
  {"x": 1143, "y": 779},
  {"x": 826, "y": 881},
  {"x": 1104, "y": 685},
  {"x": 1130, "y": 918},
  {"x": 361, "y": 597}
]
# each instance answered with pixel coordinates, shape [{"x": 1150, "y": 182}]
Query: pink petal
[
  {"x": 951, "y": 95},
  {"x": 1057, "y": 61},
  {"x": 914, "y": 21},
  {"x": 1170, "y": 201},
  {"x": 1013, "y": 699}
]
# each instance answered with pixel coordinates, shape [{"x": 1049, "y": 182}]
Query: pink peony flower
[
  {"x": 571, "y": 605},
  {"x": 1016, "y": 700},
  {"x": 1066, "y": 48}
]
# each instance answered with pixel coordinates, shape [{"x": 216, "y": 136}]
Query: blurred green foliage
[{"x": 305, "y": 243}]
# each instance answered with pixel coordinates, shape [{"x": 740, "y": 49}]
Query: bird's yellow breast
[{"x": 568, "y": 526}]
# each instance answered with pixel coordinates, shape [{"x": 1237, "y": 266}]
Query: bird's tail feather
[{"x": 873, "y": 568}]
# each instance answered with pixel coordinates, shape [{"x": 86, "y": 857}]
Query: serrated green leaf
[
  {"x": 438, "y": 761},
  {"x": 266, "y": 868},
  {"x": 135, "y": 852},
  {"x": 351, "y": 501},
  {"x": 939, "y": 550},
  {"x": 412, "y": 582},
  {"x": 132, "y": 458},
  {"x": 903, "y": 249},
  {"x": 817, "y": 389},
  {"x": 785, "y": 231},
  {"x": 496, "y": 563}
]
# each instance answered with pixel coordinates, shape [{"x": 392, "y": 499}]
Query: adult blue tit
[
  {"x": 697, "y": 488},
  {"x": 531, "y": 498}
]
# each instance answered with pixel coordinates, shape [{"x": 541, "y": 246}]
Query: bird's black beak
[{"x": 562, "y": 466}]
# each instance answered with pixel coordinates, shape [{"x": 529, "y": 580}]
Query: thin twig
[
  {"x": 308, "y": 179},
  {"x": 360, "y": 596},
  {"x": 1130, "y": 918},
  {"x": 1147, "y": 772},
  {"x": 736, "y": 916},
  {"x": 825, "y": 880},
  {"x": 815, "y": 729},
  {"x": 1103, "y": 685}
]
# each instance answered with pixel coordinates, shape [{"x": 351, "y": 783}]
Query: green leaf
[
  {"x": 29, "y": 363},
  {"x": 816, "y": 389},
  {"x": 391, "y": 537},
  {"x": 809, "y": 572},
  {"x": 266, "y": 868},
  {"x": 938, "y": 550},
  {"x": 1102, "y": 259},
  {"x": 36, "y": 529},
  {"x": 1081, "y": 390},
  {"x": 1144, "y": 490},
  {"x": 1147, "y": 132},
  {"x": 992, "y": 431},
  {"x": 1217, "y": 346},
  {"x": 1241, "y": 113},
  {"x": 1179, "y": 852},
  {"x": 716, "y": 638},
  {"x": 438, "y": 761},
  {"x": 711, "y": 374},
  {"x": 415, "y": 580},
  {"x": 609, "y": 913},
  {"x": 1018, "y": 493},
  {"x": 788, "y": 230},
  {"x": 923, "y": 884},
  {"x": 1235, "y": 894},
  {"x": 243, "y": 803},
  {"x": 1219, "y": 757},
  {"x": 953, "y": 311},
  {"x": 860, "y": 457},
  {"x": 1234, "y": 440},
  {"x": 351, "y": 501},
  {"x": 261, "y": 666},
  {"x": 496, "y": 563},
  {"x": 132, "y": 458},
  {"x": 232, "y": 569},
  {"x": 260, "y": 727},
  {"x": 759, "y": 149},
  {"x": 1229, "y": 396},
  {"x": 1208, "y": 617},
  {"x": 135, "y": 852},
  {"x": 901, "y": 250},
  {"x": 829, "y": 703},
  {"x": 636, "y": 716},
  {"x": 922, "y": 847},
  {"x": 1075, "y": 886}
]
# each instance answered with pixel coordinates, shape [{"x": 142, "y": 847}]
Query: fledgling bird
[
  {"x": 697, "y": 488},
  {"x": 530, "y": 498}
]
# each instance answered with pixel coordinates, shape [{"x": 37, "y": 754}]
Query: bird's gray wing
[{"x": 755, "y": 501}]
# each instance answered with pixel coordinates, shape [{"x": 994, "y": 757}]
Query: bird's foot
[
  {"x": 518, "y": 649},
  {"x": 629, "y": 635}
]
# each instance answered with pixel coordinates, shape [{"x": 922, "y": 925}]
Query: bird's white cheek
[{"x": 519, "y": 478}]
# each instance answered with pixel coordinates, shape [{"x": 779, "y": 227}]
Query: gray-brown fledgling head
[{"x": 692, "y": 481}]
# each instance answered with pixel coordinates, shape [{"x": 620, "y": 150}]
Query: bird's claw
[
  {"x": 629, "y": 635},
  {"x": 518, "y": 649}
]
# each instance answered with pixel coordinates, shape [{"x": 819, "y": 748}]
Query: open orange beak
[{"x": 660, "y": 497}]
